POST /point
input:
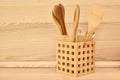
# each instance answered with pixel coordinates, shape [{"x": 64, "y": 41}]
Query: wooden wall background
[{"x": 27, "y": 32}]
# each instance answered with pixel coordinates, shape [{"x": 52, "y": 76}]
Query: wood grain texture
[
  {"x": 50, "y": 74},
  {"x": 47, "y": 2},
  {"x": 43, "y": 13},
  {"x": 27, "y": 32},
  {"x": 52, "y": 64},
  {"x": 36, "y": 41}
]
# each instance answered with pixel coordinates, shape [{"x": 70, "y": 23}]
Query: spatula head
[{"x": 95, "y": 17}]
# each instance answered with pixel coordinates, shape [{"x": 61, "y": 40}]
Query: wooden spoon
[
  {"x": 75, "y": 22},
  {"x": 95, "y": 17},
  {"x": 62, "y": 13},
  {"x": 57, "y": 23},
  {"x": 57, "y": 11}
]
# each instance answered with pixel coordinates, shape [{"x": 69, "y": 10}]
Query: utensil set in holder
[{"x": 75, "y": 54}]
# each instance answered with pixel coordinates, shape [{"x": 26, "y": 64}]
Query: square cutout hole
[
  {"x": 72, "y": 46},
  {"x": 92, "y": 51},
  {"x": 88, "y": 58},
  {"x": 63, "y": 57},
  {"x": 87, "y": 70},
  {"x": 72, "y": 71},
  {"x": 92, "y": 63},
  {"x": 92, "y": 45},
  {"x": 78, "y": 59},
  {"x": 58, "y": 45},
  {"x": 59, "y": 68},
  {"x": 63, "y": 63},
  {"x": 68, "y": 58},
  {"x": 91, "y": 69},
  {"x": 59, "y": 56},
  {"x": 68, "y": 64},
  {"x": 58, "y": 62},
  {"x": 83, "y": 52},
  {"x": 72, "y": 59},
  {"x": 83, "y": 46},
  {"x": 83, "y": 64},
  {"x": 79, "y": 53},
  {"x": 68, "y": 52},
  {"x": 79, "y": 47},
  {"x": 83, "y": 58},
  {"x": 67, "y": 46},
  {"x": 78, "y": 65},
  {"x": 91, "y": 57},
  {"x": 87, "y": 64},
  {"x": 68, "y": 70},
  {"x": 59, "y": 51},
  {"x": 88, "y": 51},
  {"x": 63, "y": 69},
  {"x": 63, "y": 45},
  {"x": 78, "y": 71},
  {"x": 72, "y": 53},
  {"x": 72, "y": 65},
  {"x": 83, "y": 70},
  {"x": 88, "y": 45},
  {"x": 63, "y": 51}
]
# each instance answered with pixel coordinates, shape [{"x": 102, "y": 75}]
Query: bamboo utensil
[
  {"x": 57, "y": 24},
  {"x": 55, "y": 16},
  {"x": 59, "y": 13},
  {"x": 63, "y": 10},
  {"x": 62, "y": 13},
  {"x": 95, "y": 17},
  {"x": 75, "y": 22}
]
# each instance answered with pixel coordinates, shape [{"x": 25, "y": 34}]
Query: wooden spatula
[
  {"x": 75, "y": 22},
  {"x": 95, "y": 17}
]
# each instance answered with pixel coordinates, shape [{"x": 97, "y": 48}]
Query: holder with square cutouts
[{"x": 75, "y": 58}]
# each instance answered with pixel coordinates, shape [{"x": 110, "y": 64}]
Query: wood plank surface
[
  {"x": 36, "y": 41},
  {"x": 50, "y": 74},
  {"x": 47, "y": 2},
  {"x": 52, "y": 64},
  {"x": 27, "y": 32},
  {"x": 42, "y": 13}
]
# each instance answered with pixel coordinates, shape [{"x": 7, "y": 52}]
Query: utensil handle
[{"x": 76, "y": 21}]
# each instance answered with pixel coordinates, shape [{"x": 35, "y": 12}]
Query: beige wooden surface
[
  {"x": 40, "y": 10},
  {"x": 50, "y": 74},
  {"x": 27, "y": 32},
  {"x": 37, "y": 41},
  {"x": 42, "y": 13},
  {"x": 52, "y": 64}
]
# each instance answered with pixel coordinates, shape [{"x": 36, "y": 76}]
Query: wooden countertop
[{"x": 50, "y": 74}]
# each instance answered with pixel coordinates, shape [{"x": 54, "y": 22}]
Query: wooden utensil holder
[{"x": 75, "y": 58}]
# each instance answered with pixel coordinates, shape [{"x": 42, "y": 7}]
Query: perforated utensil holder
[{"x": 75, "y": 58}]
